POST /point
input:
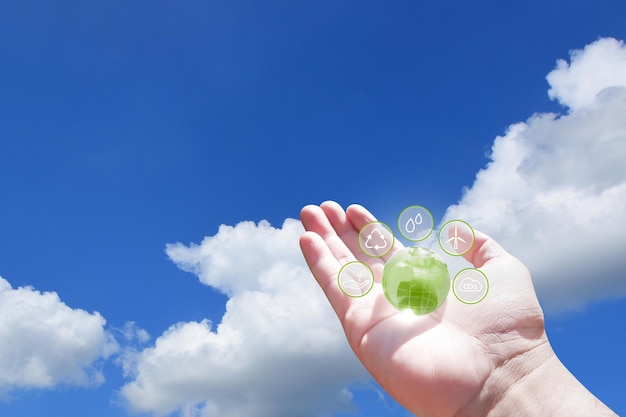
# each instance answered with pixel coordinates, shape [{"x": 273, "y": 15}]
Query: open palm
[{"x": 436, "y": 364}]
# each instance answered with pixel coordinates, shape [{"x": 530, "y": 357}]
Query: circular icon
[
  {"x": 415, "y": 223},
  {"x": 417, "y": 279},
  {"x": 456, "y": 237},
  {"x": 376, "y": 239},
  {"x": 355, "y": 279},
  {"x": 470, "y": 286}
]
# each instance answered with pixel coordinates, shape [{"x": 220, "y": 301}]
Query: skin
[{"x": 489, "y": 359}]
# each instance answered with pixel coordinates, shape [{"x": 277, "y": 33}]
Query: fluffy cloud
[
  {"x": 278, "y": 351},
  {"x": 219, "y": 263},
  {"x": 43, "y": 342},
  {"x": 554, "y": 193},
  {"x": 592, "y": 69}
]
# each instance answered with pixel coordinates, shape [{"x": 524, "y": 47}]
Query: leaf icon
[{"x": 359, "y": 274}]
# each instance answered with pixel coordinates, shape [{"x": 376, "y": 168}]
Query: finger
[
  {"x": 348, "y": 234},
  {"x": 337, "y": 217},
  {"x": 315, "y": 220},
  {"x": 357, "y": 315},
  {"x": 325, "y": 268},
  {"x": 511, "y": 289},
  {"x": 484, "y": 250},
  {"x": 359, "y": 216}
]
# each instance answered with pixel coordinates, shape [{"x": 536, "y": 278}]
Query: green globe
[{"x": 416, "y": 278}]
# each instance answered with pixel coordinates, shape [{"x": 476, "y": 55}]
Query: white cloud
[
  {"x": 133, "y": 333},
  {"x": 554, "y": 193},
  {"x": 134, "y": 338},
  {"x": 278, "y": 351},
  {"x": 599, "y": 65},
  {"x": 231, "y": 260},
  {"x": 43, "y": 342}
]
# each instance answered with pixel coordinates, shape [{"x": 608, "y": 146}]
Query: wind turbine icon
[{"x": 455, "y": 239}]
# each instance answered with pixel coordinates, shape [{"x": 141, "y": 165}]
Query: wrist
[{"x": 534, "y": 383}]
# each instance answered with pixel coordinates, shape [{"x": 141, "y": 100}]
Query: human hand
[{"x": 459, "y": 360}]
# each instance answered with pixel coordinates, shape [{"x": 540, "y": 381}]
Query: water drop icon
[{"x": 410, "y": 225}]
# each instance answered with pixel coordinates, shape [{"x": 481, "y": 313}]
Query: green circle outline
[
  {"x": 468, "y": 249},
  {"x": 470, "y": 269},
  {"x": 339, "y": 279},
  {"x": 393, "y": 239},
  {"x": 432, "y": 220}
]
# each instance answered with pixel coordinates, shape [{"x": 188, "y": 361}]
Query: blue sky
[{"x": 128, "y": 126}]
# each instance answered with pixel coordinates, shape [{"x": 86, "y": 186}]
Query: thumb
[{"x": 484, "y": 250}]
